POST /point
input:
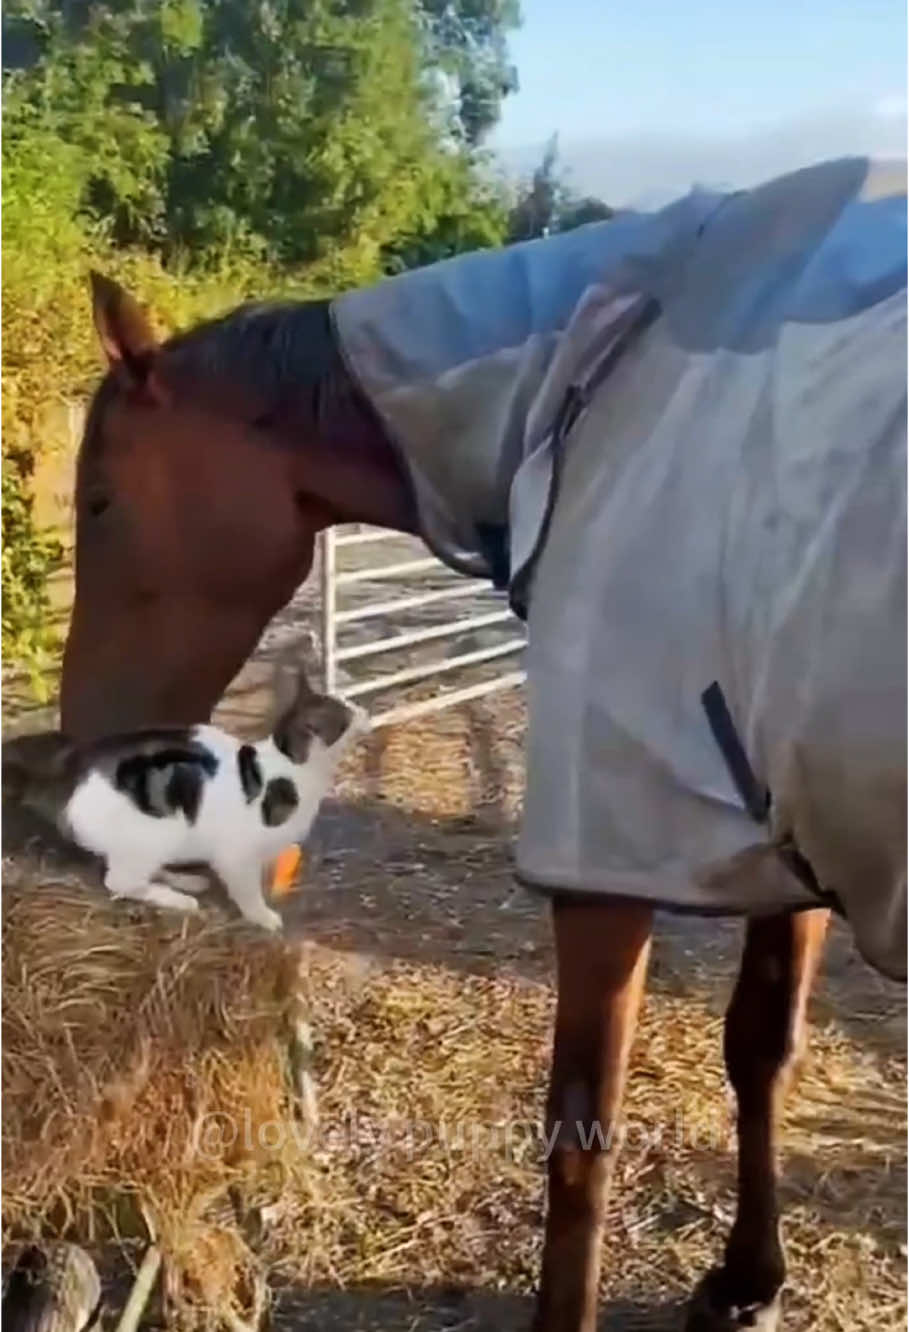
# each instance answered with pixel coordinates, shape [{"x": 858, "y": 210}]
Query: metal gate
[{"x": 423, "y": 589}]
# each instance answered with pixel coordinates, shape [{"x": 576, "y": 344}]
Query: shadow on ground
[
  {"x": 445, "y": 1310},
  {"x": 379, "y": 1308}
]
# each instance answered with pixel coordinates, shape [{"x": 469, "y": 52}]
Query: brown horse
[{"x": 209, "y": 464}]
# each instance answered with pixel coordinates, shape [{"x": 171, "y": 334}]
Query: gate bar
[
  {"x": 410, "y": 710},
  {"x": 378, "y": 534},
  {"x": 327, "y": 577},
  {"x": 386, "y": 571},
  {"x": 411, "y": 673},
  {"x": 421, "y": 636},
  {"x": 463, "y": 589}
]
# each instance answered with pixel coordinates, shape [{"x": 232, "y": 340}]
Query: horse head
[{"x": 208, "y": 464}]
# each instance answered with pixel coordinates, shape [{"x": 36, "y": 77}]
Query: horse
[{"x": 210, "y": 462}]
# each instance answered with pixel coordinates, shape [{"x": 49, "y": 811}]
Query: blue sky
[{"x": 715, "y": 76}]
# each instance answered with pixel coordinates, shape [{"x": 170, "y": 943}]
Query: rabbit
[{"x": 164, "y": 797}]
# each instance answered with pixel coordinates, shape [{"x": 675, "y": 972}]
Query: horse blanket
[{"x": 679, "y": 439}]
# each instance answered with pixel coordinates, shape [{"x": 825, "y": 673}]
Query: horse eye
[{"x": 97, "y": 504}]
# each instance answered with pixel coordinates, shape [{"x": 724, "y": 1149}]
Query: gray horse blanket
[{"x": 679, "y": 438}]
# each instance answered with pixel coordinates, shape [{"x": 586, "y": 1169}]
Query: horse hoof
[{"x": 710, "y": 1310}]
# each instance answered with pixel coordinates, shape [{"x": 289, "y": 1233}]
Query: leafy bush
[
  {"x": 43, "y": 248},
  {"x": 29, "y": 557},
  {"x": 51, "y": 352}
]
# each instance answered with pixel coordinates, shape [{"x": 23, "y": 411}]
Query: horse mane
[
  {"x": 284, "y": 352},
  {"x": 272, "y": 346}
]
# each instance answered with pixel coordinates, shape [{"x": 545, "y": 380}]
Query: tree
[
  {"x": 61, "y": 84},
  {"x": 548, "y": 205},
  {"x": 464, "y": 210},
  {"x": 467, "y": 40},
  {"x": 578, "y": 212},
  {"x": 535, "y": 211},
  {"x": 276, "y": 127}
]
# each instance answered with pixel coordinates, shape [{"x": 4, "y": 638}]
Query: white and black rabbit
[{"x": 151, "y": 801}]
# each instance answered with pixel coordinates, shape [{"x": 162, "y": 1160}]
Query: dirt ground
[{"x": 437, "y": 1011}]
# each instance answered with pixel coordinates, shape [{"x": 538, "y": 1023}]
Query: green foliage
[
  {"x": 42, "y": 180},
  {"x": 315, "y": 132},
  {"x": 462, "y": 209},
  {"x": 29, "y": 556},
  {"x": 51, "y": 354},
  {"x": 465, "y": 40},
  {"x": 274, "y": 128},
  {"x": 210, "y": 151},
  {"x": 66, "y": 90}
]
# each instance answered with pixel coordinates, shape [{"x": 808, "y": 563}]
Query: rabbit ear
[
  {"x": 290, "y": 685},
  {"x": 284, "y": 687}
]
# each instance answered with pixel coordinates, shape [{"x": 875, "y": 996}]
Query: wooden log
[{"x": 52, "y": 1288}]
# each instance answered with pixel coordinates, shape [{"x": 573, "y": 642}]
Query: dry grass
[
  {"x": 124, "y": 1034},
  {"x": 432, "y": 1012},
  {"x": 453, "y": 1069}
]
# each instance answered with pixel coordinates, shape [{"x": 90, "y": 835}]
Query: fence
[{"x": 371, "y": 607}]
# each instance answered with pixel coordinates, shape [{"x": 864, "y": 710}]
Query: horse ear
[{"x": 124, "y": 329}]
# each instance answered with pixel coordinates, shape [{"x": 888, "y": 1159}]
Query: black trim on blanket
[
  {"x": 493, "y": 539},
  {"x": 580, "y": 897},
  {"x": 570, "y": 409},
  {"x": 755, "y": 796},
  {"x": 577, "y": 399},
  {"x": 796, "y": 863}
]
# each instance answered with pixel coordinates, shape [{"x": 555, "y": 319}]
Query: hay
[{"x": 126, "y": 1037}]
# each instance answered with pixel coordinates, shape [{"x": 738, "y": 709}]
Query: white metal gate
[{"x": 428, "y": 587}]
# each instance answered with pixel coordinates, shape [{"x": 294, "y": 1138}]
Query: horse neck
[{"x": 351, "y": 463}]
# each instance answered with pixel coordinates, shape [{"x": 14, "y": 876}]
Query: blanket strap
[
  {"x": 577, "y": 398},
  {"x": 755, "y": 796}
]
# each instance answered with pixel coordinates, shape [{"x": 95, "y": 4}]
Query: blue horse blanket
[{"x": 680, "y": 439}]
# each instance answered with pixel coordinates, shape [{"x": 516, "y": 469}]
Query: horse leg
[
  {"x": 601, "y": 960},
  {"x": 763, "y": 1040}
]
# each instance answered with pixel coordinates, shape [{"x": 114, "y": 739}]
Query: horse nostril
[{"x": 97, "y": 505}]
